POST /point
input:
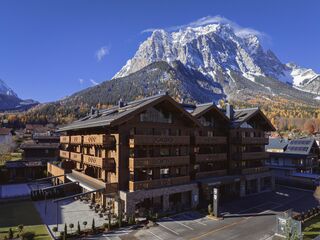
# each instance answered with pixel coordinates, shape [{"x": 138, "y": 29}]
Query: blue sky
[{"x": 51, "y": 49}]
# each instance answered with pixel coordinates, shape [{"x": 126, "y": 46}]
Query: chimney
[
  {"x": 92, "y": 111},
  {"x": 120, "y": 103},
  {"x": 229, "y": 111}
]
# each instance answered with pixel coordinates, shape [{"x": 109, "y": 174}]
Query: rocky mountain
[
  {"x": 228, "y": 59},
  {"x": 9, "y": 100}
]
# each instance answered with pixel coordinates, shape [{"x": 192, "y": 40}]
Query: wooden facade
[{"x": 159, "y": 145}]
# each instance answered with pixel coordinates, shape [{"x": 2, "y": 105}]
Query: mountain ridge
[{"x": 217, "y": 47}]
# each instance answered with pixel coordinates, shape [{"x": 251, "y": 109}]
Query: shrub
[
  {"x": 210, "y": 210},
  {"x": 27, "y": 235},
  {"x": 55, "y": 230},
  {"x": 10, "y": 233},
  {"x": 71, "y": 226},
  {"x": 105, "y": 226},
  {"x": 79, "y": 229},
  {"x": 93, "y": 227},
  {"x": 65, "y": 231},
  {"x": 20, "y": 227}
]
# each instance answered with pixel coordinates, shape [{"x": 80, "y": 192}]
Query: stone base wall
[{"x": 130, "y": 199}]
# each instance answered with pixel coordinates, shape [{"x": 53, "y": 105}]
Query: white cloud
[
  {"x": 94, "y": 83},
  {"x": 102, "y": 52},
  {"x": 81, "y": 80},
  {"x": 239, "y": 30}
]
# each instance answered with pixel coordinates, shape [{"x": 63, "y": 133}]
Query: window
[
  {"x": 164, "y": 152},
  {"x": 164, "y": 172},
  {"x": 156, "y": 115}
]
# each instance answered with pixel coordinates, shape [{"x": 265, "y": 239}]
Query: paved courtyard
[{"x": 69, "y": 211}]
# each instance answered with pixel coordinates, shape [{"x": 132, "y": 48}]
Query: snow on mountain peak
[
  {"x": 218, "y": 48},
  {"x": 5, "y": 90}
]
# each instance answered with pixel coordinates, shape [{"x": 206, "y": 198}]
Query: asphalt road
[{"x": 250, "y": 218}]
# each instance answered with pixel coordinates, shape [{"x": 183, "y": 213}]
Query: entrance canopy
[{"x": 85, "y": 181}]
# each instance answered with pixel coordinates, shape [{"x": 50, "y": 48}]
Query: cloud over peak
[
  {"x": 239, "y": 30},
  {"x": 102, "y": 52}
]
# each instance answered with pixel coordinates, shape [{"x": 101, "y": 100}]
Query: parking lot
[{"x": 252, "y": 217}]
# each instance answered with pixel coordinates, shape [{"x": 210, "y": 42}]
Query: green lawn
[
  {"x": 15, "y": 213},
  {"x": 311, "y": 228}
]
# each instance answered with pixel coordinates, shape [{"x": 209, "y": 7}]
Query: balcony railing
[
  {"x": 76, "y": 156},
  {"x": 254, "y": 170},
  {"x": 64, "y": 154},
  {"x": 158, "y": 140},
  {"x": 99, "y": 139},
  {"x": 165, "y": 182},
  {"x": 201, "y": 140},
  {"x": 211, "y": 157},
  {"x": 105, "y": 163},
  {"x": 158, "y": 161},
  {"x": 210, "y": 174},
  {"x": 76, "y": 139},
  {"x": 250, "y": 156},
  {"x": 64, "y": 139}
]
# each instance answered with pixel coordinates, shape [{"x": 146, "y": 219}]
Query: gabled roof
[
  {"x": 300, "y": 146},
  {"x": 277, "y": 143},
  {"x": 201, "y": 109},
  {"x": 244, "y": 115},
  {"x": 117, "y": 115}
]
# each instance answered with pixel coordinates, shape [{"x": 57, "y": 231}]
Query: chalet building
[
  {"x": 294, "y": 161},
  {"x": 157, "y": 154},
  {"x": 36, "y": 154}
]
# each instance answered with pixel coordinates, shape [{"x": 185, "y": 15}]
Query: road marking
[
  {"x": 254, "y": 207},
  {"x": 219, "y": 229},
  {"x": 168, "y": 228},
  {"x": 182, "y": 224},
  {"x": 192, "y": 219},
  {"x": 155, "y": 235},
  {"x": 283, "y": 194},
  {"x": 295, "y": 188}
]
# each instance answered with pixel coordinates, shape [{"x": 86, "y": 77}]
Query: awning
[{"x": 85, "y": 181}]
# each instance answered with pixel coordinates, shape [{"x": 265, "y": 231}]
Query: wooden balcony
[
  {"x": 158, "y": 161},
  {"x": 250, "y": 156},
  {"x": 210, "y": 174},
  {"x": 206, "y": 140},
  {"x": 250, "y": 140},
  {"x": 64, "y": 139},
  {"x": 54, "y": 170},
  {"x": 211, "y": 157},
  {"x": 76, "y": 156},
  {"x": 105, "y": 163},
  {"x": 76, "y": 139},
  {"x": 99, "y": 139},
  {"x": 254, "y": 170},
  {"x": 158, "y": 140},
  {"x": 165, "y": 182},
  {"x": 64, "y": 154}
]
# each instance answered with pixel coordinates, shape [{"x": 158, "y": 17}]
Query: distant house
[
  {"x": 6, "y": 136},
  {"x": 294, "y": 160},
  {"x": 38, "y": 129},
  {"x": 36, "y": 154}
]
